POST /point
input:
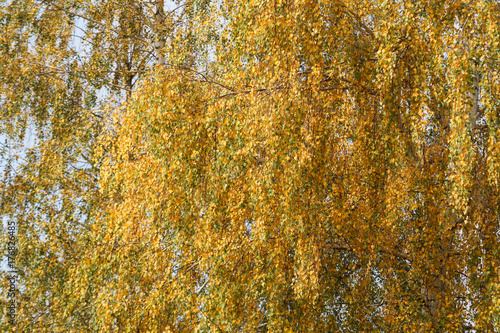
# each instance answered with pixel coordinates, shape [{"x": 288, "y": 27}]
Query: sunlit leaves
[{"x": 294, "y": 166}]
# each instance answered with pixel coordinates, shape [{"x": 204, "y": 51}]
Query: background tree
[{"x": 65, "y": 63}]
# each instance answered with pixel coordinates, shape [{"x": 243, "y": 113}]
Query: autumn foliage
[{"x": 277, "y": 166}]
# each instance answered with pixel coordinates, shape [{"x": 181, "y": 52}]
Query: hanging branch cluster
[{"x": 282, "y": 166}]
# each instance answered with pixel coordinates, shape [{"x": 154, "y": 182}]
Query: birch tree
[
  {"x": 65, "y": 65},
  {"x": 282, "y": 166}
]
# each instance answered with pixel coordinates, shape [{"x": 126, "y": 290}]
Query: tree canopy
[{"x": 254, "y": 166}]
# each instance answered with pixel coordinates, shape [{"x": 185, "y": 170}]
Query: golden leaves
[{"x": 299, "y": 166}]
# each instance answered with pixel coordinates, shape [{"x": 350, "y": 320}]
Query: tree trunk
[{"x": 160, "y": 38}]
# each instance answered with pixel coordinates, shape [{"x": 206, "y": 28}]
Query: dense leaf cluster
[{"x": 254, "y": 166}]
